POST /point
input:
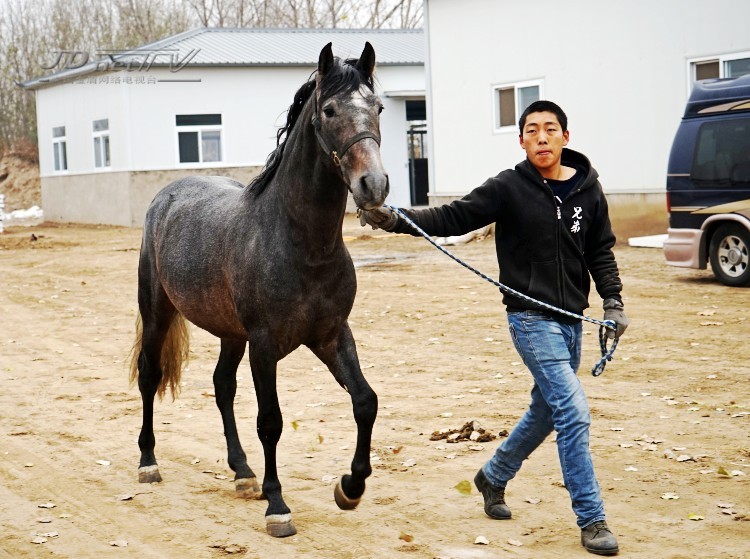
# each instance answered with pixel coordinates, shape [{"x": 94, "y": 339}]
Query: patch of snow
[
  {"x": 650, "y": 241},
  {"x": 34, "y": 212}
]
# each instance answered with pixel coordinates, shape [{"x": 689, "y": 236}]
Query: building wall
[
  {"x": 143, "y": 134},
  {"x": 90, "y": 198},
  {"x": 392, "y": 84},
  {"x": 117, "y": 197},
  {"x": 619, "y": 69},
  {"x": 76, "y": 106}
]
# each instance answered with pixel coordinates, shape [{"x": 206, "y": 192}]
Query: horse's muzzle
[{"x": 371, "y": 190}]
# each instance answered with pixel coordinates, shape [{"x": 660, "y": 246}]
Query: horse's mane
[{"x": 342, "y": 77}]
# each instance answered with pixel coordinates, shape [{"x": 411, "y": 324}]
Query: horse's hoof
[
  {"x": 247, "y": 488},
  {"x": 149, "y": 474},
  {"x": 344, "y": 502},
  {"x": 280, "y": 525}
]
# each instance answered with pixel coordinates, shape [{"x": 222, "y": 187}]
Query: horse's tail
[{"x": 174, "y": 354}]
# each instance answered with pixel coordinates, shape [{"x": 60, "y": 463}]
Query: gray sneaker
[
  {"x": 597, "y": 539},
  {"x": 494, "y": 497}
]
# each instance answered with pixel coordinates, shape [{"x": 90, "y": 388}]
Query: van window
[{"x": 722, "y": 153}]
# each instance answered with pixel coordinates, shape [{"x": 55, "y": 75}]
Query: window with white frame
[
  {"x": 510, "y": 100},
  {"x": 59, "y": 148},
  {"x": 101, "y": 143},
  {"x": 199, "y": 138},
  {"x": 723, "y": 66}
]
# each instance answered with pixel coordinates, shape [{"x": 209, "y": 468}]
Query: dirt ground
[
  {"x": 670, "y": 435},
  {"x": 19, "y": 181}
]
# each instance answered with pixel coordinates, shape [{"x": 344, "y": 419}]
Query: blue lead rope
[{"x": 603, "y": 324}]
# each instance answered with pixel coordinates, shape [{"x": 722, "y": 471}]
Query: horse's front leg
[
  {"x": 225, "y": 387},
  {"x": 263, "y": 364},
  {"x": 341, "y": 358}
]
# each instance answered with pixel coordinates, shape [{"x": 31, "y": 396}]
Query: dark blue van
[{"x": 708, "y": 182}]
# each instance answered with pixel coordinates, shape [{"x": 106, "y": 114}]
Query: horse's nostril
[
  {"x": 387, "y": 185},
  {"x": 363, "y": 184}
]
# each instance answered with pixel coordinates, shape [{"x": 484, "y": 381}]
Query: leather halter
[{"x": 330, "y": 150}]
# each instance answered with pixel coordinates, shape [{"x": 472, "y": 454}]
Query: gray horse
[{"x": 265, "y": 267}]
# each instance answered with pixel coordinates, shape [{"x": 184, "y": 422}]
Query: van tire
[{"x": 729, "y": 252}]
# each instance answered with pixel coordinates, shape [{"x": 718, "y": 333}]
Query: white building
[
  {"x": 622, "y": 71},
  {"x": 208, "y": 101}
]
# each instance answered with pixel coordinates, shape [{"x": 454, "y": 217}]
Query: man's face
[{"x": 543, "y": 140}]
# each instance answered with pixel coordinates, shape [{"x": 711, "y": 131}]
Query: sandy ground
[{"x": 669, "y": 438}]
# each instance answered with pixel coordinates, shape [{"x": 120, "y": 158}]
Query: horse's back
[
  {"x": 192, "y": 210},
  {"x": 192, "y": 193}
]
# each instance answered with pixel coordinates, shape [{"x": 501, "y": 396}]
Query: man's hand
[
  {"x": 378, "y": 218},
  {"x": 613, "y": 310}
]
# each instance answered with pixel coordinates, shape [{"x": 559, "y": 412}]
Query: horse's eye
[
  {"x": 380, "y": 109},
  {"x": 329, "y": 112}
]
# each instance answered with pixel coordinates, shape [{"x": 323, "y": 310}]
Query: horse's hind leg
[
  {"x": 263, "y": 364},
  {"x": 341, "y": 358},
  {"x": 155, "y": 328},
  {"x": 225, "y": 386}
]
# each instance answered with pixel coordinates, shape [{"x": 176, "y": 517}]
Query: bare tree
[
  {"x": 22, "y": 41},
  {"x": 404, "y": 14},
  {"x": 307, "y": 13},
  {"x": 203, "y": 10}
]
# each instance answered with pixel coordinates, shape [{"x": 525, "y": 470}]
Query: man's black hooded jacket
[{"x": 546, "y": 248}]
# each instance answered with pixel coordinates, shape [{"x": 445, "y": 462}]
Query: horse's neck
[{"x": 310, "y": 190}]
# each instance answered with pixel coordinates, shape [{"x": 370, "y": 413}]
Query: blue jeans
[{"x": 552, "y": 352}]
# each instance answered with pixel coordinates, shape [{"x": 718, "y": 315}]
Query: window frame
[
  {"x": 56, "y": 142},
  {"x": 722, "y": 59},
  {"x": 200, "y": 129},
  {"x": 497, "y": 128},
  {"x": 103, "y": 137}
]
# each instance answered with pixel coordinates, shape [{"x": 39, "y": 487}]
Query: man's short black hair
[{"x": 540, "y": 107}]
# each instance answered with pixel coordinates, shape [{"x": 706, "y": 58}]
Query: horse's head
[{"x": 347, "y": 124}]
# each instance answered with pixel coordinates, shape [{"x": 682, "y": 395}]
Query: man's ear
[{"x": 566, "y": 137}]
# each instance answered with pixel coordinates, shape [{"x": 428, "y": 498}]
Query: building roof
[{"x": 225, "y": 47}]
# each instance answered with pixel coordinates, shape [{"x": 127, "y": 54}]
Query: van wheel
[{"x": 730, "y": 255}]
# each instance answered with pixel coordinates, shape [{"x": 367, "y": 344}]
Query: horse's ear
[
  {"x": 366, "y": 62},
  {"x": 325, "y": 61}
]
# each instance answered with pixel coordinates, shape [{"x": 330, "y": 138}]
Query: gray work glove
[
  {"x": 613, "y": 310},
  {"x": 378, "y": 218}
]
